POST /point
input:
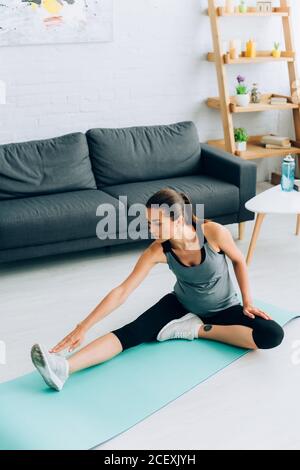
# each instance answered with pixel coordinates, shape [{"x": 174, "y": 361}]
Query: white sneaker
[
  {"x": 186, "y": 327},
  {"x": 53, "y": 368}
]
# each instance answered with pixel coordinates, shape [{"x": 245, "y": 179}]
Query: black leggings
[{"x": 266, "y": 333}]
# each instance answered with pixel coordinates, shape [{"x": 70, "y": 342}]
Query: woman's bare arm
[
  {"x": 219, "y": 235},
  {"x": 116, "y": 297}
]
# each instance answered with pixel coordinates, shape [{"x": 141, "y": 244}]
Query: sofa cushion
[
  {"x": 218, "y": 197},
  {"x": 52, "y": 218},
  {"x": 45, "y": 166},
  {"x": 143, "y": 153}
]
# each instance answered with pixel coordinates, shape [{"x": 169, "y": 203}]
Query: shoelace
[{"x": 181, "y": 334}]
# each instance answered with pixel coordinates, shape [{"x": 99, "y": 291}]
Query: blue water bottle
[{"x": 288, "y": 173}]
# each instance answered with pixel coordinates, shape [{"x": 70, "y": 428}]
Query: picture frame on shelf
[{"x": 264, "y": 6}]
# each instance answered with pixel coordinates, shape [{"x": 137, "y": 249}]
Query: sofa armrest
[{"x": 225, "y": 166}]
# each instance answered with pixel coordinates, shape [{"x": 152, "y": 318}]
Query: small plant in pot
[
  {"x": 276, "y": 52},
  {"x": 242, "y": 7},
  {"x": 242, "y": 97},
  {"x": 241, "y": 138}
]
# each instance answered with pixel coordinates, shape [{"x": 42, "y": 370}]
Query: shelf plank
[
  {"x": 264, "y": 105},
  {"x": 261, "y": 56},
  {"x": 256, "y": 150},
  {"x": 221, "y": 11}
]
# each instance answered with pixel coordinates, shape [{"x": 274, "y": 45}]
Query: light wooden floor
[{"x": 253, "y": 403}]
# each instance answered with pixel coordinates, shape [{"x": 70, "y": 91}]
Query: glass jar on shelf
[{"x": 255, "y": 96}]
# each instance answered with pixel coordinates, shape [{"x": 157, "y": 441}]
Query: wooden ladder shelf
[{"x": 226, "y": 104}]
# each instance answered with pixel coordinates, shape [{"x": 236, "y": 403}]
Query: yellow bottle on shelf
[
  {"x": 250, "y": 48},
  {"x": 233, "y": 50},
  {"x": 253, "y": 49}
]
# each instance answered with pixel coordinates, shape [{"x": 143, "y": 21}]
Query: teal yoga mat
[{"x": 103, "y": 401}]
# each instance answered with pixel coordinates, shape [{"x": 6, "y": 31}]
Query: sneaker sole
[
  {"x": 40, "y": 361},
  {"x": 178, "y": 320}
]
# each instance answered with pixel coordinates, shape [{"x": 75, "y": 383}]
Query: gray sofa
[{"x": 50, "y": 189}]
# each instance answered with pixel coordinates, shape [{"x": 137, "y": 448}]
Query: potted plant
[
  {"x": 276, "y": 51},
  {"x": 242, "y": 94},
  {"x": 241, "y": 138},
  {"x": 242, "y": 6}
]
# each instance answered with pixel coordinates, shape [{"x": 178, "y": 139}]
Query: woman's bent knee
[{"x": 268, "y": 335}]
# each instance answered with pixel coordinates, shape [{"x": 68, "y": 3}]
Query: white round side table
[{"x": 272, "y": 201}]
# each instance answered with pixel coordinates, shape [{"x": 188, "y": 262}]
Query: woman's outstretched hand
[
  {"x": 71, "y": 341},
  {"x": 253, "y": 312}
]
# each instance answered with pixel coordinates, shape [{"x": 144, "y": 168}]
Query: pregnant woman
[{"x": 202, "y": 304}]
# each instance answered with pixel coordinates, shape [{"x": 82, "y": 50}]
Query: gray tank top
[{"x": 204, "y": 288}]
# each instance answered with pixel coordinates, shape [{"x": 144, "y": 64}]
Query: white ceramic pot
[
  {"x": 242, "y": 100},
  {"x": 241, "y": 146}
]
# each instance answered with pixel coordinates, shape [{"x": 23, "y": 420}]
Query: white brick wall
[{"x": 153, "y": 72}]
